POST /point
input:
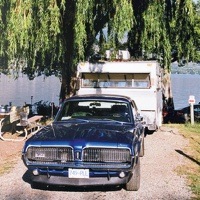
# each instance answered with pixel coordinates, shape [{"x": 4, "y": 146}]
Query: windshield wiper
[
  {"x": 79, "y": 119},
  {"x": 74, "y": 119},
  {"x": 113, "y": 120}
]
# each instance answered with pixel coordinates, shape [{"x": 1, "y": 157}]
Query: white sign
[{"x": 191, "y": 99}]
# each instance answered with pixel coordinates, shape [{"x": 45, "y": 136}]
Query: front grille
[
  {"x": 95, "y": 157},
  {"x": 106, "y": 155},
  {"x": 50, "y": 154}
]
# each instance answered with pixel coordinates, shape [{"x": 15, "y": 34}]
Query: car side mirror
[{"x": 138, "y": 117}]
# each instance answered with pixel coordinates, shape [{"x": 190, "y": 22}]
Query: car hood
[{"x": 84, "y": 134}]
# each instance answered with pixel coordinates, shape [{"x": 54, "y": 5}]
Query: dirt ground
[
  {"x": 8, "y": 149},
  {"x": 10, "y": 152}
]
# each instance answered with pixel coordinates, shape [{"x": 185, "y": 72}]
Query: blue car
[{"x": 94, "y": 140}]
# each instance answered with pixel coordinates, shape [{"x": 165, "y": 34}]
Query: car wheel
[
  {"x": 134, "y": 182},
  {"x": 142, "y": 148}
]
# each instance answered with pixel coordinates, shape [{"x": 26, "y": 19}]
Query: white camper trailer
[{"x": 140, "y": 80}]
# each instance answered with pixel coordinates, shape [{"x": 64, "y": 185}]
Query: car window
[
  {"x": 96, "y": 109},
  {"x": 197, "y": 108}
]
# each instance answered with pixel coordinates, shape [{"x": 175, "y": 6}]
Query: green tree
[
  {"x": 163, "y": 28},
  {"x": 197, "y": 30},
  {"x": 51, "y": 36}
]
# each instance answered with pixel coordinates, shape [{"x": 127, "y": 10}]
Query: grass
[
  {"x": 192, "y": 153},
  {"x": 9, "y": 163}
]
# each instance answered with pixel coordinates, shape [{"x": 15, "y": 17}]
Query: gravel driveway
[{"x": 158, "y": 177}]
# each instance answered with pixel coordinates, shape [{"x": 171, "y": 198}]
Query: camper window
[
  {"x": 113, "y": 80},
  {"x": 141, "y": 81}
]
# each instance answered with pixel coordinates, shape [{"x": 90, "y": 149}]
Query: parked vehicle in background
[
  {"x": 140, "y": 80},
  {"x": 185, "y": 113},
  {"x": 94, "y": 140}
]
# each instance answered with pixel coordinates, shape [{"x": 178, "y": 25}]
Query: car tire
[
  {"x": 142, "y": 148},
  {"x": 134, "y": 182}
]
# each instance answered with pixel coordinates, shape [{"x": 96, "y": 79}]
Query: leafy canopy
[
  {"x": 38, "y": 33},
  {"x": 165, "y": 29},
  {"x": 34, "y": 31}
]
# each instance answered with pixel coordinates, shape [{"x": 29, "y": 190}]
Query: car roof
[
  {"x": 100, "y": 96},
  {"x": 188, "y": 107}
]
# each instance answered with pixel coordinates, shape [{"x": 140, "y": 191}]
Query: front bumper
[
  {"x": 92, "y": 181},
  {"x": 104, "y": 174}
]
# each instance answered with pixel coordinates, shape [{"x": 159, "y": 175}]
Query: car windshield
[{"x": 95, "y": 110}]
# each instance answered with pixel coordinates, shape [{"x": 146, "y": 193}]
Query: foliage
[
  {"x": 185, "y": 27},
  {"x": 32, "y": 34},
  {"x": 50, "y": 37},
  {"x": 116, "y": 17},
  {"x": 155, "y": 38},
  {"x": 162, "y": 29},
  {"x": 34, "y": 29},
  {"x": 197, "y": 30}
]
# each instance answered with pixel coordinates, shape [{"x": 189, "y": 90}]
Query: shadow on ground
[{"x": 187, "y": 156}]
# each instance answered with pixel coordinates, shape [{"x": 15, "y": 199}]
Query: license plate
[
  {"x": 78, "y": 173},
  {"x": 39, "y": 155}
]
